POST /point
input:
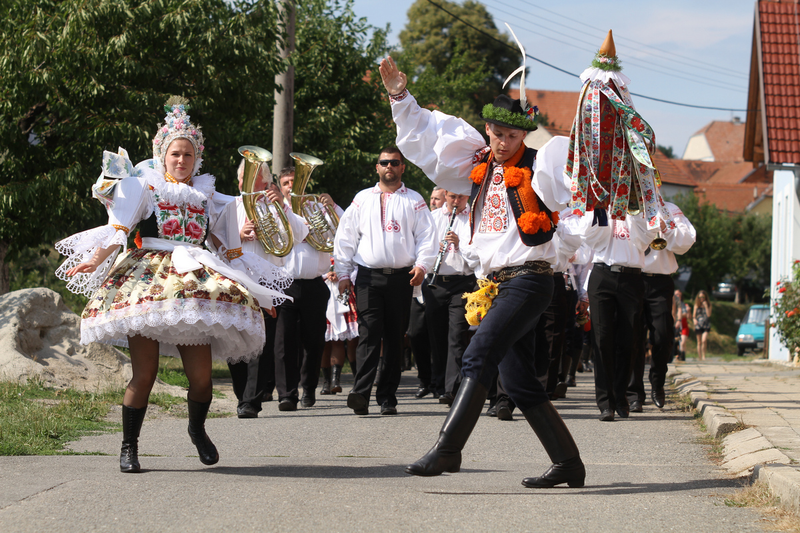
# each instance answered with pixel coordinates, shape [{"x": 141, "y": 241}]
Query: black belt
[
  {"x": 451, "y": 277},
  {"x": 387, "y": 271},
  {"x": 618, "y": 268},
  {"x": 530, "y": 267},
  {"x": 655, "y": 275}
]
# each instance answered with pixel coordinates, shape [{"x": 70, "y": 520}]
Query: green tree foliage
[
  {"x": 81, "y": 76},
  {"x": 459, "y": 69},
  {"x": 342, "y": 115},
  {"x": 736, "y": 246}
]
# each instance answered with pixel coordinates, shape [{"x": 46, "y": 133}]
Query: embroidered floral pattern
[{"x": 184, "y": 224}]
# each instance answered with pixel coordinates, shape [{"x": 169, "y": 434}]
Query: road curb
[{"x": 747, "y": 451}]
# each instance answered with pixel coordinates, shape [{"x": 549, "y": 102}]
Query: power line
[{"x": 572, "y": 73}]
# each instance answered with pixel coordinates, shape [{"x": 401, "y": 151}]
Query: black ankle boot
[
  {"x": 326, "y": 381},
  {"x": 132, "y": 419},
  {"x": 197, "y": 420},
  {"x": 445, "y": 456},
  {"x": 558, "y": 443},
  {"x": 336, "y": 379}
]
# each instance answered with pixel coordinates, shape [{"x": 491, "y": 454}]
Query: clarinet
[{"x": 443, "y": 248}]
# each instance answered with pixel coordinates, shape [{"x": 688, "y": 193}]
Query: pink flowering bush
[{"x": 786, "y": 310}]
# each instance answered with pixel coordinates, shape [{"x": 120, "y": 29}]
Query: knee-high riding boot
[
  {"x": 445, "y": 456},
  {"x": 132, "y": 419},
  {"x": 197, "y": 421},
  {"x": 558, "y": 443},
  {"x": 336, "y": 385}
]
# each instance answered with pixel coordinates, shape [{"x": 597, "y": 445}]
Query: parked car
[
  {"x": 751, "y": 329},
  {"x": 725, "y": 290}
]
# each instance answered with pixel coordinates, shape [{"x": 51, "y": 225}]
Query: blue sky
[{"x": 688, "y": 51}]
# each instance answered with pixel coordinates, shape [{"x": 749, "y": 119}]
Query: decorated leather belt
[
  {"x": 529, "y": 267},
  {"x": 618, "y": 268},
  {"x": 451, "y": 278},
  {"x": 388, "y": 271}
]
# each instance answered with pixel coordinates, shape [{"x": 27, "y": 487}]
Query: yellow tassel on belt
[{"x": 479, "y": 302}]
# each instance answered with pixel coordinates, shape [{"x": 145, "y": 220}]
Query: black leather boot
[
  {"x": 326, "y": 381},
  {"x": 336, "y": 379},
  {"x": 197, "y": 421},
  {"x": 132, "y": 419},
  {"x": 558, "y": 443},
  {"x": 445, "y": 456}
]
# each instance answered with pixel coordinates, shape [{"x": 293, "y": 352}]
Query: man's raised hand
[{"x": 394, "y": 80}]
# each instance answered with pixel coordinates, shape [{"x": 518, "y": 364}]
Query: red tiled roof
[
  {"x": 732, "y": 173},
  {"x": 725, "y": 139},
  {"x": 700, "y": 171},
  {"x": 559, "y": 106},
  {"x": 780, "y": 64},
  {"x": 733, "y": 198},
  {"x": 671, "y": 171}
]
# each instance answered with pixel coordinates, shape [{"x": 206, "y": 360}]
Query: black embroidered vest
[{"x": 529, "y": 239}]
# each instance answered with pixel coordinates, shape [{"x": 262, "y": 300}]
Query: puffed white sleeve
[
  {"x": 260, "y": 273},
  {"x": 427, "y": 246},
  {"x": 549, "y": 180},
  {"x": 345, "y": 243},
  {"x": 442, "y": 146},
  {"x": 682, "y": 236},
  {"x": 131, "y": 203}
]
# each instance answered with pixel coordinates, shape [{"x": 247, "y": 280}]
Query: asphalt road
[{"x": 325, "y": 469}]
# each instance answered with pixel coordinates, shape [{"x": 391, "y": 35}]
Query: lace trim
[
  {"x": 80, "y": 248},
  {"x": 267, "y": 274},
  {"x": 235, "y": 331},
  {"x": 201, "y": 190}
]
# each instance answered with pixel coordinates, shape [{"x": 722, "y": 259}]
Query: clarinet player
[{"x": 444, "y": 306}]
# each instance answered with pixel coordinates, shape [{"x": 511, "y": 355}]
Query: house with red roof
[{"x": 772, "y": 131}]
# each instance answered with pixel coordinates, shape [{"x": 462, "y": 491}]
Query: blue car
[{"x": 751, "y": 329}]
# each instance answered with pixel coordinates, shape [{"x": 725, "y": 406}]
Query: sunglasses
[{"x": 387, "y": 162}]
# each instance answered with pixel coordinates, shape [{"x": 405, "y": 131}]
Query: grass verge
[
  {"x": 759, "y": 497},
  {"x": 36, "y": 420}
]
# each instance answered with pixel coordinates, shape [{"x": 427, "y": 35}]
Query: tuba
[
  {"x": 274, "y": 234},
  {"x": 322, "y": 221}
]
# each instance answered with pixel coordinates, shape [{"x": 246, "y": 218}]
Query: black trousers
[
  {"x": 254, "y": 380},
  {"x": 300, "y": 337},
  {"x": 419, "y": 338},
  {"x": 615, "y": 300},
  {"x": 448, "y": 327},
  {"x": 506, "y": 340},
  {"x": 550, "y": 334},
  {"x": 383, "y": 302},
  {"x": 659, "y": 290}
]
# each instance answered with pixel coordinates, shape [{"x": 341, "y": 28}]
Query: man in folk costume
[
  {"x": 514, "y": 192},
  {"x": 614, "y": 181}
]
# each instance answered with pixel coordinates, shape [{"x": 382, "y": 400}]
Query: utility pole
[{"x": 283, "y": 122}]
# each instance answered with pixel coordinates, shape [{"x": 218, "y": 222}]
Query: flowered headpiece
[
  {"x": 513, "y": 113},
  {"x": 177, "y": 126}
]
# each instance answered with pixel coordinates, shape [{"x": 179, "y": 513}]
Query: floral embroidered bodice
[{"x": 182, "y": 222}]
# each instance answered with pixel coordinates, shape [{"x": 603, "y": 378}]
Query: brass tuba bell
[
  {"x": 659, "y": 243},
  {"x": 322, "y": 219},
  {"x": 274, "y": 233}
]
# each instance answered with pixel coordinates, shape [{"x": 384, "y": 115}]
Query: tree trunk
[
  {"x": 283, "y": 116},
  {"x": 5, "y": 280}
]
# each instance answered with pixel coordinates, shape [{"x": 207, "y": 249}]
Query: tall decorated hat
[
  {"x": 505, "y": 111},
  {"x": 611, "y": 146},
  {"x": 177, "y": 126}
]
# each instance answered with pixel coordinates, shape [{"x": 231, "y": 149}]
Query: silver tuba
[
  {"x": 322, "y": 220},
  {"x": 274, "y": 234}
]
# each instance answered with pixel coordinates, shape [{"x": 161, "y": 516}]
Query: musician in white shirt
[
  {"x": 388, "y": 233},
  {"x": 659, "y": 290},
  {"x": 514, "y": 192},
  {"x": 444, "y": 304}
]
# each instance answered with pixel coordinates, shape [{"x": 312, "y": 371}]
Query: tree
[
  {"x": 81, "y": 76},
  {"x": 751, "y": 261},
  {"x": 471, "y": 63},
  {"x": 710, "y": 258}
]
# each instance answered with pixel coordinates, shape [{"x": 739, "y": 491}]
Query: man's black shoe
[
  {"x": 357, "y": 403},
  {"x": 246, "y": 411},
  {"x": 387, "y": 409},
  {"x": 309, "y": 399},
  {"x": 287, "y": 405},
  {"x": 504, "y": 412},
  {"x": 636, "y": 407},
  {"x": 423, "y": 391},
  {"x": 623, "y": 411},
  {"x": 607, "y": 415},
  {"x": 446, "y": 398},
  {"x": 571, "y": 381},
  {"x": 491, "y": 411},
  {"x": 658, "y": 397}
]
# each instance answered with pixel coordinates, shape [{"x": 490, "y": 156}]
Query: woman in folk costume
[
  {"x": 170, "y": 295},
  {"x": 515, "y": 195}
]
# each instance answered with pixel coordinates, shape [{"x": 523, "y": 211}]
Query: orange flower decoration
[
  {"x": 478, "y": 173},
  {"x": 138, "y": 240}
]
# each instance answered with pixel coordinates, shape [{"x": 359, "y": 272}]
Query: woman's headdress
[{"x": 177, "y": 126}]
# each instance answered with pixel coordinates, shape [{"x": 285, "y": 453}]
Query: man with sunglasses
[
  {"x": 388, "y": 233},
  {"x": 514, "y": 193}
]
